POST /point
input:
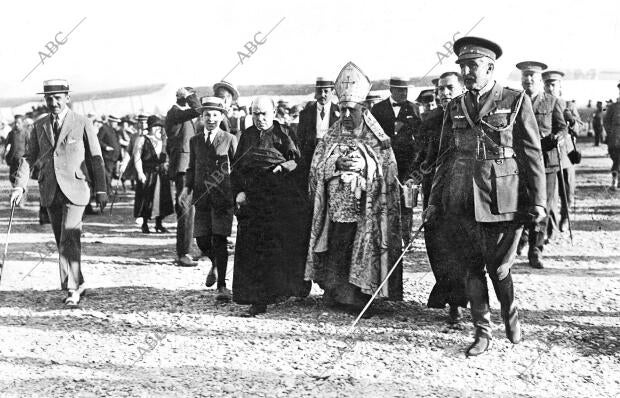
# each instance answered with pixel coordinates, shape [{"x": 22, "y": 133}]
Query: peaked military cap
[
  {"x": 531, "y": 66},
  {"x": 552, "y": 75},
  {"x": 470, "y": 47}
]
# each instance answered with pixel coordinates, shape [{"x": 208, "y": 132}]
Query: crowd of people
[{"x": 324, "y": 192}]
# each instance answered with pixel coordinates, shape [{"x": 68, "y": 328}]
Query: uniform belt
[{"x": 498, "y": 153}]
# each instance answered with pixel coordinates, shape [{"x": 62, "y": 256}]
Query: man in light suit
[
  {"x": 208, "y": 180},
  {"x": 64, "y": 147}
]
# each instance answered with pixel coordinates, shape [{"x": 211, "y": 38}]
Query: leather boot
[
  {"x": 534, "y": 256},
  {"x": 510, "y": 315},
  {"x": 481, "y": 315}
]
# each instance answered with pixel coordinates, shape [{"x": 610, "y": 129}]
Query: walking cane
[
  {"x": 6, "y": 245},
  {"x": 565, "y": 198},
  {"x": 113, "y": 200},
  {"x": 376, "y": 293}
]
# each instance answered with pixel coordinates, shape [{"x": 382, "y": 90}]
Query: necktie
[
  {"x": 56, "y": 128},
  {"x": 322, "y": 113},
  {"x": 395, "y": 104},
  {"x": 475, "y": 96}
]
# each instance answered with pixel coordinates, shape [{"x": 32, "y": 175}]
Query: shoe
[
  {"x": 534, "y": 258},
  {"x": 161, "y": 229},
  {"x": 454, "y": 316},
  {"x": 255, "y": 309},
  {"x": 223, "y": 294},
  {"x": 211, "y": 277},
  {"x": 186, "y": 261},
  {"x": 145, "y": 229},
  {"x": 89, "y": 210},
  {"x": 563, "y": 224},
  {"x": 73, "y": 299},
  {"x": 479, "y": 346}
]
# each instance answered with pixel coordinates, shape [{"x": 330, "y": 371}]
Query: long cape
[{"x": 378, "y": 242}]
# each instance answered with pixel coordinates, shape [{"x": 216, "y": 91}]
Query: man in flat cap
[
  {"x": 229, "y": 94},
  {"x": 314, "y": 121},
  {"x": 179, "y": 130},
  {"x": 208, "y": 181},
  {"x": 110, "y": 148},
  {"x": 566, "y": 176},
  {"x": 61, "y": 146},
  {"x": 612, "y": 127},
  {"x": 399, "y": 121},
  {"x": 449, "y": 272},
  {"x": 493, "y": 174},
  {"x": 552, "y": 127}
]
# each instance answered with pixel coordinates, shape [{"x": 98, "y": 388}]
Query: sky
[{"x": 129, "y": 43}]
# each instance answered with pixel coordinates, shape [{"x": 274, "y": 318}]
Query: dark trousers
[
  {"x": 490, "y": 246},
  {"x": 566, "y": 180},
  {"x": 598, "y": 134},
  {"x": 66, "y": 219},
  {"x": 185, "y": 219},
  {"x": 535, "y": 234},
  {"x": 216, "y": 248}
]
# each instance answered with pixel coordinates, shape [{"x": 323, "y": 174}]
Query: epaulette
[{"x": 377, "y": 130}]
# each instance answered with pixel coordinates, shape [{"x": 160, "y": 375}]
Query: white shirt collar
[
  {"x": 487, "y": 88},
  {"x": 211, "y": 136},
  {"x": 61, "y": 116}
]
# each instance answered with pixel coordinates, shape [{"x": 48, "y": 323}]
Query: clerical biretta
[{"x": 355, "y": 233}]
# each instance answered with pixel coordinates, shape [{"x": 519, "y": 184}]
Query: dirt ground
[{"x": 148, "y": 328}]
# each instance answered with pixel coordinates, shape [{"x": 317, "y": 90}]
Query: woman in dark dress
[{"x": 153, "y": 195}]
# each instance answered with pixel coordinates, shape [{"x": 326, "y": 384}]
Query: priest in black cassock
[{"x": 269, "y": 253}]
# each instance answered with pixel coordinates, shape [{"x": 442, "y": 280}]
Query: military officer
[
  {"x": 493, "y": 174},
  {"x": 551, "y": 126},
  {"x": 397, "y": 117},
  {"x": 61, "y": 145},
  {"x": 566, "y": 176}
]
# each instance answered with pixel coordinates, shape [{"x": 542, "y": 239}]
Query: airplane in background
[{"x": 582, "y": 86}]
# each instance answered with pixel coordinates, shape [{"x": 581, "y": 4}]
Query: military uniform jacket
[
  {"x": 612, "y": 125},
  {"x": 401, "y": 129},
  {"x": 550, "y": 118},
  {"x": 68, "y": 163},
  {"x": 494, "y": 169},
  {"x": 208, "y": 174}
]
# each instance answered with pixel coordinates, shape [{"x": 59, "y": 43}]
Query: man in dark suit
[
  {"x": 62, "y": 145},
  {"x": 445, "y": 262},
  {"x": 492, "y": 176},
  {"x": 208, "y": 180},
  {"x": 398, "y": 119},
  {"x": 314, "y": 121},
  {"x": 179, "y": 130},
  {"x": 551, "y": 126},
  {"x": 110, "y": 148}
]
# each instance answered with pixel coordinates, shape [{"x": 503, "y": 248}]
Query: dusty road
[{"x": 148, "y": 328}]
